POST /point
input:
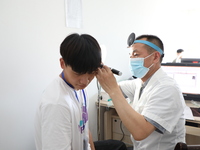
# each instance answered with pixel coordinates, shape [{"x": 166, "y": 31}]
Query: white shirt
[
  {"x": 162, "y": 102},
  {"x": 57, "y": 121}
]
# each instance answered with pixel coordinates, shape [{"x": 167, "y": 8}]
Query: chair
[{"x": 184, "y": 146}]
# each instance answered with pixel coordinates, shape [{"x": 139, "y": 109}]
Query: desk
[
  {"x": 112, "y": 128},
  {"x": 192, "y": 132}
]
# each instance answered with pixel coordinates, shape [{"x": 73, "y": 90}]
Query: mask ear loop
[
  {"x": 151, "y": 65},
  {"x": 149, "y": 56}
]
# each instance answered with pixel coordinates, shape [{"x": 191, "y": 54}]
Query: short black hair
[
  {"x": 81, "y": 52},
  {"x": 179, "y": 50},
  {"x": 155, "y": 40}
]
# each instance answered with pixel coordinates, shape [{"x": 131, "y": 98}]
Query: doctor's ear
[{"x": 157, "y": 57}]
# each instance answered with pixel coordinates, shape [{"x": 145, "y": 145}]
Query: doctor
[{"x": 156, "y": 117}]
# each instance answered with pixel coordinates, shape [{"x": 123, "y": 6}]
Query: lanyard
[
  {"x": 84, "y": 119},
  {"x": 75, "y": 90}
]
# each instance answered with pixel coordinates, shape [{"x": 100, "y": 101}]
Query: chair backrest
[{"x": 183, "y": 146}]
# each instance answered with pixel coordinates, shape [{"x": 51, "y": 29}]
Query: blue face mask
[{"x": 137, "y": 67}]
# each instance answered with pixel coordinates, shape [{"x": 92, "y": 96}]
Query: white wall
[{"x": 31, "y": 32}]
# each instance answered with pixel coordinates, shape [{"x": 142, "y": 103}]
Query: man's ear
[
  {"x": 157, "y": 57},
  {"x": 62, "y": 63}
]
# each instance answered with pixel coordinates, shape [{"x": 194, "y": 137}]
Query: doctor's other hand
[{"x": 107, "y": 79}]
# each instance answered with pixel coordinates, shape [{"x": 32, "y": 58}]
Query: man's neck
[{"x": 150, "y": 73}]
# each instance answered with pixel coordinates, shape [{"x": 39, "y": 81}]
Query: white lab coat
[{"x": 162, "y": 102}]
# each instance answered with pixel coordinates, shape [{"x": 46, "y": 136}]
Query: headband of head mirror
[
  {"x": 151, "y": 45},
  {"x": 131, "y": 41}
]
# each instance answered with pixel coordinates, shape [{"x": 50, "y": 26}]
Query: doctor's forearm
[{"x": 133, "y": 121}]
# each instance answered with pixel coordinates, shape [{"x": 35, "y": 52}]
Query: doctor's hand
[{"x": 107, "y": 80}]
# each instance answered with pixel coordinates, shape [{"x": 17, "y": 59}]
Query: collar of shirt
[{"x": 145, "y": 83}]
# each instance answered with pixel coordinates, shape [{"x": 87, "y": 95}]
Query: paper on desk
[{"x": 188, "y": 113}]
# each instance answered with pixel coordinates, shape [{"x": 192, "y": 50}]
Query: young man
[
  {"x": 156, "y": 117},
  {"x": 61, "y": 121}
]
